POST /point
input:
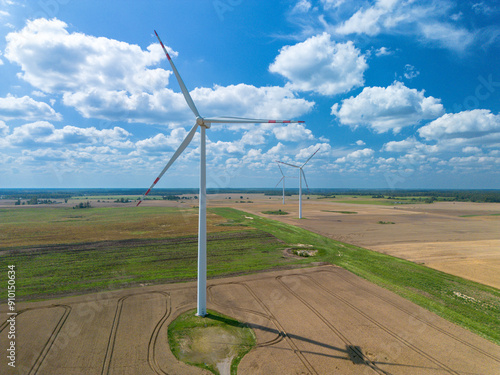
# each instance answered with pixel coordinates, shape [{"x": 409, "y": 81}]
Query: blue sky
[{"x": 395, "y": 94}]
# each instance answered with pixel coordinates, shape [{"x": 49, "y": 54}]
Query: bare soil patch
[{"x": 319, "y": 320}]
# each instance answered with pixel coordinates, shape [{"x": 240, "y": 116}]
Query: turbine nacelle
[{"x": 200, "y": 121}]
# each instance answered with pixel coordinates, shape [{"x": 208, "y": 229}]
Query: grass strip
[{"x": 441, "y": 293}]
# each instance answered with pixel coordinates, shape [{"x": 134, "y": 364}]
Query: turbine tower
[
  {"x": 203, "y": 123},
  {"x": 283, "y": 178},
  {"x": 301, "y": 174}
]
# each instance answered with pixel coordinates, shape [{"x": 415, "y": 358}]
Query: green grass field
[{"x": 60, "y": 251}]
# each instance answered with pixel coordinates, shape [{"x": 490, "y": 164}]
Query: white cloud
[
  {"x": 43, "y": 133},
  {"x": 360, "y": 142},
  {"x": 161, "y": 142},
  {"x": 482, "y": 8},
  {"x": 321, "y": 65},
  {"x": 410, "y": 72},
  {"x": 26, "y": 108},
  {"x": 447, "y": 35},
  {"x": 54, "y": 60},
  {"x": 366, "y": 21},
  {"x": 384, "y": 109},
  {"x": 4, "y": 129},
  {"x": 426, "y": 20},
  {"x": 168, "y": 107},
  {"x": 383, "y": 51},
  {"x": 321, "y": 148},
  {"x": 332, "y": 4},
  {"x": 254, "y": 137},
  {"x": 302, "y": 6},
  {"x": 466, "y": 125},
  {"x": 250, "y": 101},
  {"x": 108, "y": 79},
  {"x": 356, "y": 156},
  {"x": 471, "y": 150},
  {"x": 292, "y": 133}
]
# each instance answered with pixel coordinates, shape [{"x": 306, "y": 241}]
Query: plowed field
[{"x": 321, "y": 320}]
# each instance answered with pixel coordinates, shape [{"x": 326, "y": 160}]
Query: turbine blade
[
  {"x": 176, "y": 154},
  {"x": 291, "y": 165},
  {"x": 305, "y": 180},
  {"x": 310, "y": 157},
  {"x": 281, "y": 170},
  {"x": 279, "y": 181},
  {"x": 184, "y": 90},
  {"x": 244, "y": 120}
]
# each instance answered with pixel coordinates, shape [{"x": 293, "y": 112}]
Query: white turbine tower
[
  {"x": 301, "y": 174},
  {"x": 283, "y": 178},
  {"x": 204, "y": 123}
]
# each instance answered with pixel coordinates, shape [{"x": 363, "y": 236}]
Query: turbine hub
[{"x": 201, "y": 122}]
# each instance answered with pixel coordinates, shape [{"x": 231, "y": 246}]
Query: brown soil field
[
  {"x": 319, "y": 320},
  {"x": 442, "y": 235}
]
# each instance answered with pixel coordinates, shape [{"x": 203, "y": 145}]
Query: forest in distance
[{"x": 454, "y": 195}]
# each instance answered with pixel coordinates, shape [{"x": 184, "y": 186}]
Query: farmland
[{"x": 134, "y": 257}]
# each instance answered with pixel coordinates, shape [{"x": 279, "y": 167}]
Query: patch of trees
[
  {"x": 82, "y": 205},
  {"x": 122, "y": 200}
]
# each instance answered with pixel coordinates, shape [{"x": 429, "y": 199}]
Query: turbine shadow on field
[{"x": 351, "y": 352}]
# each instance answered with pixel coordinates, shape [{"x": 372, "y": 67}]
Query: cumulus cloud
[
  {"x": 321, "y": 65},
  {"x": 108, "y": 79},
  {"x": 292, "y": 133},
  {"x": 26, "y": 108},
  {"x": 357, "y": 156},
  {"x": 250, "y": 101},
  {"x": 390, "y": 108},
  {"x": 402, "y": 146},
  {"x": 162, "y": 142},
  {"x": 53, "y": 60},
  {"x": 320, "y": 148},
  {"x": 467, "y": 124},
  {"x": 43, "y": 133}
]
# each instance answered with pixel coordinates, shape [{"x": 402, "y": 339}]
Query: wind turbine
[
  {"x": 301, "y": 174},
  {"x": 203, "y": 123},
  {"x": 283, "y": 178}
]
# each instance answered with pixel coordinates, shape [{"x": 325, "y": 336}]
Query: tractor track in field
[
  {"x": 366, "y": 316},
  {"x": 412, "y": 315},
  {"x": 53, "y": 336},
  {"x": 334, "y": 329},
  {"x": 153, "y": 363},
  {"x": 112, "y": 336},
  {"x": 152, "y": 341},
  {"x": 282, "y": 334}
]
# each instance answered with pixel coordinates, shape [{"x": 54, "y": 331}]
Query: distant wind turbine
[
  {"x": 204, "y": 123},
  {"x": 283, "y": 178},
  {"x": 301, "y": 174}
]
